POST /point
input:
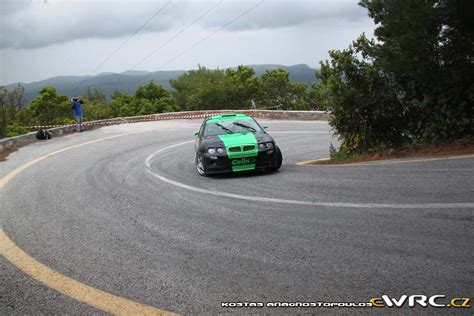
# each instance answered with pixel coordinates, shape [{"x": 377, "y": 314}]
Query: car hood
[{"x": 226, "y": 140}]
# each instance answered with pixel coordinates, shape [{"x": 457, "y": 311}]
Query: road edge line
[
  {"x": 63, "y": 284},
  {"x": 379, "y": 162},
  {"x": 74, "y": 289}
]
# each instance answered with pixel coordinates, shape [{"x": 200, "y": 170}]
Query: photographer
[{"x": 77, "y": 112}]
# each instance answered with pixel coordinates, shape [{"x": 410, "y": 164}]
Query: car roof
[{"x": 224, "y": 117}]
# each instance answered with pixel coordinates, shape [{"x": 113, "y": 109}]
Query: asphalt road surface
[{"x": 129, "y": 215}]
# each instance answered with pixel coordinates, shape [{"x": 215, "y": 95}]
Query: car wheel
[
  {"x": 200, "y": 165},
  {"x": 279, "y": 160}
]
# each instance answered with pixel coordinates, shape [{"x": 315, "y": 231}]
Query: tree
[
  {"x": 3, "y": 112},
  {"x": 11, "y": 102},
  {"x": 16, "y": 101},
  {"x": 427, "y": 47},
  {"x": 205, "y": 89},
  {"x": 413, "y": 84},
  {"x": 50, "y": 108},
  {"x": 366, "y": 111},
  {"x": 318, "y": 97},
  {"x": 279, "y": 93},
  {"x": 241, "y": 87},
  {"x": 95, "y": 105},
  {"x": 200, "y": 89},
  {"x": 121, "y": 104},
  {"x": 151, "y": 91},
  {"x": 152, "y": 98},
  {"x": 299, "y": 96}
]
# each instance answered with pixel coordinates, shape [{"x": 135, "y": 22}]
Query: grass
[{"x": 460, "y": 147}]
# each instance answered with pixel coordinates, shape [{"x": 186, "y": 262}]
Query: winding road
[{"x": 122, "y": 210}]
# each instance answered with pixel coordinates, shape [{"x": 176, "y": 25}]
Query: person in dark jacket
[{"x": 77, "y": 112}]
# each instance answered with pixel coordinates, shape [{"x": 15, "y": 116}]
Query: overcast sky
[{"x": 41, "y": 39}]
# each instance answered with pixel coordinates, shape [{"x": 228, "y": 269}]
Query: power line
[
  {"x": 77, "y": 85},
  {"x": 130, "y": 37},
  {"x": 210, "y": 35},
  {"x": 202, "y": 39},
  {"x": 177, "y": 34}
]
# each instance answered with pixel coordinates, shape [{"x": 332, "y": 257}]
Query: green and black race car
[{"x": 232, "y": 143}]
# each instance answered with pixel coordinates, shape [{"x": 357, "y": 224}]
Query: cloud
[
  {"x": 30, "y": 24},
  {"x": 38, "y": 25},
  {"x": 276, "y": 14}
]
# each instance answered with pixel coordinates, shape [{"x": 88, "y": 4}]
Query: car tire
[
  {"x": 199, "y": 165},
  {"x": 279, "y": 160}
]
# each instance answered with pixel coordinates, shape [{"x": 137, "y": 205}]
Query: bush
[
  {"x": 367, "y": 113},
  {"x": 15, "y": 130},
  {"x": 413, "y": 85}
]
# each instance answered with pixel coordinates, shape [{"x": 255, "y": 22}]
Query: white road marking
[
  {"x": 63, "y": 284},
  {"x": 297, "y": 202},
  {"x": 383, "y": 162}
]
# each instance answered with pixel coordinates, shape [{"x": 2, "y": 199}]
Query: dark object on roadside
[{"x": 42, "y": 134}]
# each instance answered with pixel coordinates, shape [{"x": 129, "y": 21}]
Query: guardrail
[{"x": 58, "y": 130}]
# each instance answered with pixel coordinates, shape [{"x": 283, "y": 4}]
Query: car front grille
[{"x": 235, "y": 149}]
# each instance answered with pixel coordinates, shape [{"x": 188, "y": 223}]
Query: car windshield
[{"x": 230, "y": 127}]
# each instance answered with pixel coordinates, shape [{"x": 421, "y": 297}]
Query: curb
[{"x": 310, "y": 162}]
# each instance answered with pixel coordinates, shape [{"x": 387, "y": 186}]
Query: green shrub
[{"x": 15, "y": 130}]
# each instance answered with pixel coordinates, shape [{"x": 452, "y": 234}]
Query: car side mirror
[
  {"x": 265, "y": 126},
  {"x": 196, "y": 133}
]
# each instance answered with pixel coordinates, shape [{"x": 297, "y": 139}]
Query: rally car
[{"x": 233, "y": 143}]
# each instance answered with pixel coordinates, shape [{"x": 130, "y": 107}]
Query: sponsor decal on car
[{"x": 243, "y": 161}]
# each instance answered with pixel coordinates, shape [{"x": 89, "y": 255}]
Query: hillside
[{"x": 128, "y": 81}]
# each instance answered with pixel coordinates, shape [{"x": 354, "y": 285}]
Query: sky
[{"x": 46, "y": 38}]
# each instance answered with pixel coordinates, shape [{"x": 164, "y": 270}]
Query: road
[{"x": 127, "y": 214}]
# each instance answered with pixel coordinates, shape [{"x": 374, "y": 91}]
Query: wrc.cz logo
[{"x": 421, "y": 300}]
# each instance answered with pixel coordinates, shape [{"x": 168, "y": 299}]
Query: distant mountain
[
  {"x": 104, "y": 74},
  {"x": 136, "y": 73},
  {"x": 128, "y": 81}
]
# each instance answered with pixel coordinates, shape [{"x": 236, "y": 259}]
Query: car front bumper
[{"x": 222, "y": 164}]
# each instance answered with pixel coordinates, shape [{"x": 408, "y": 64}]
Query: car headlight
[
  {"x": 218, "y": 150},
  {"x": 265, "y": 146}
]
